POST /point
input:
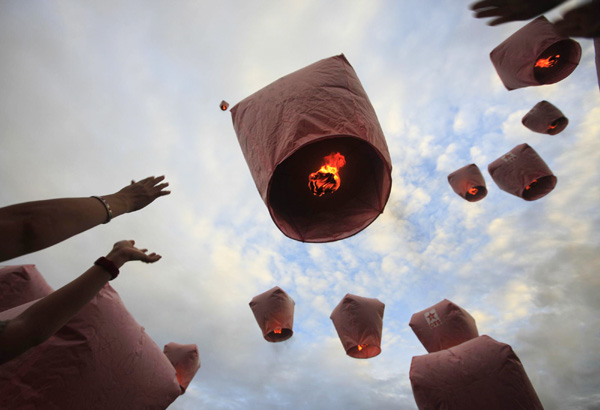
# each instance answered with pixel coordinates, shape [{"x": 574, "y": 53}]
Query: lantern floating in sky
[
  {"x": 21, "y": 284},
  {"x": 274, "y": 313},
  {"x": 478, "y": 374},
  {"x": 224, "y": 105},
  {"x": 535, "y": 55},
  {"x": 468, "y": 183},
  {"x": 523, "y": 173},
  {"x": 185, "y": 360},
  {"x": 545, "y": 118},
  {"x": 287, "y": 131},
  {"x": 359, "y": 322},
  {"x": 443, "y": 325}
]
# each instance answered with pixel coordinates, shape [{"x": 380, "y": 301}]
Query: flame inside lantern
[
  {"x": 360, "y": 347},
  {"x": 473, "y": 191},
  {"x": 548, "y": 62},
  {"x": 553, "y": 125},
  {"x": 326, "y": 180},
  {"x": 224, "y": 105},
  {"x": 277, "y": 331},
  {"x": 533, "y": 183}
]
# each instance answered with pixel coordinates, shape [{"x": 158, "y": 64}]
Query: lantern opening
[
  {"x": 475, "y": 193},
  {"x": 557, "y": 62},
  {"x": 360, "y": 347},
  {"x": 327, "y": 180},
  {"x": 279, "y": 335},
  {"x": 539, "y": 187},
  {"x": 547, "y": 62}
]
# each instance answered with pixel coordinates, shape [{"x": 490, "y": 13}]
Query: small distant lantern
[
  {"x": 316, "y": 152},
  {"x": 535, "y": 55},
  {"x": 274, "y": 313},
  {"x": 545, "y": 118},
  {"x": 224, "y": 105},
  {"x": 523, "y": 173},
  {"x": 478, "y": 374},
  {"x": 468, "y": 183},
  {"x": 359, "y": 322},
  {"x": 185, "y": 360},
  {"x": 443, "y": 325}
]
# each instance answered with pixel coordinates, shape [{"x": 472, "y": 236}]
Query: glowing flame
[
  {"x": 224, "y": 105},
  {"x": 547, "y": 62},
  {"x": 277, "y": 331},
  {"x": 326, "y": 180},
  {"x": 528, "y": 187},
  {"x": 553, "y": 125},
  {"x": 360, "y": 347},
  {"x": 473, "y": 191}
]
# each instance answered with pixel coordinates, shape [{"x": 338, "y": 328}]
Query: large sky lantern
[
  {"x": 186, "y": 361},
  {"x": 468, "y": 182},
  {"x": 535, "y": 55},
  {"x": 443, "y": 325},
  {"x": 102, "y": 354},
  {"x": 316, "y": 152},
  {"x": 359, "y": 323},
  {"x": 274, "y": 313},
  {"x": 478, "y": 374},
  {"x": 20, "y": 284},
  {"x": 545, "y": 118},
  {"x": 523, "y": 173}
]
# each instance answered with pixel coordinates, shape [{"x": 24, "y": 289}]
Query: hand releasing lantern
[{"x": 326, "y": 180}]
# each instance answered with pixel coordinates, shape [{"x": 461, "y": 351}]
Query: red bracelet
[{"x": 109, "y": 266}]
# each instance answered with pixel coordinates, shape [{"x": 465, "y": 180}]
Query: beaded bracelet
[
  {"x": 108, "y": 265},
  {"x": 107, "y": 207}
]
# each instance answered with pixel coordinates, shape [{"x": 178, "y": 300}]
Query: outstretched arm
[
  {"x": 45, "y": 317},
  {"x": 31, "y": 226}
]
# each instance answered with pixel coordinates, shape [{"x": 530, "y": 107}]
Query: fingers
[{"x": 485, "y": 4}]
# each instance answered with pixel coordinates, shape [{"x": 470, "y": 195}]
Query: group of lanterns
[
  {"x": 534, "y": 55},
  {"x": 357, "y": 320}
]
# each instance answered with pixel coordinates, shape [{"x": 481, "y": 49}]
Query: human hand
[
  {"x": 583, "y": 21},
  {"x": 125, "y": 251},
  {"x": 512, "y": 10},
  {"x": 139, "y": 194}
]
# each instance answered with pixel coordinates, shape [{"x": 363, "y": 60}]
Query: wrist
[
  {"x": 118, "y": 204},
  {"x": 116, "y": 258},
  {"x": 108, "y": 266}
]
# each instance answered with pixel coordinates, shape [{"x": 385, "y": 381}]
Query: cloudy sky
[{"x": 94, "y": 94}]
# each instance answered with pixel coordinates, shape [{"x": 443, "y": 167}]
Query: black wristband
[{"x": 108, "y": 265}]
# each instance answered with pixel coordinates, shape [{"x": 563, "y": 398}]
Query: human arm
[
  {"x": 505, "y": 11},
  {"x": 45, "y": 317},
  {"x": 583, "y": 21},
  {"x": 31, "y": 226}
]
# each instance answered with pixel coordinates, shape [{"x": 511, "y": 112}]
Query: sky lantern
[
  {"x": 316, "y": 152},
  {"x": 522, "y": 172},
  {"x": 359, "y": 323},
  {"x": 21, "y": 284},
  {"x": 443, "y": 325},
  {"x": 186, "y": 361},
  {"x": 274, "y": 313},
  {"x": 102, "y": 354},
  {"x": 545, "y": 118},
  {"x": 224, "y": 105},
  {"x": 468, "y": 182},
  {"x": 535, "y": 55},
  {"x": 478, "y": 374}
]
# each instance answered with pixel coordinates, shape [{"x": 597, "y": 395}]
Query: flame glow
[
  {"x": 326, "y": 180},
  {"x": 547, "y": 62},
  {"x": 360, "y": 347},
  {"x": 528, "y": 187},
  {"x": 553, "y": 125},
  {"x": 473, "y": 191},
  {"x": 277, "y": 331},
  {"x": 224, "y": 105}
]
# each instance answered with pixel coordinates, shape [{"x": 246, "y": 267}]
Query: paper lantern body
[
  {"x": 186, "y": 361},
  {"x": 359, "y": 323},
  {"x": 545, "y": 118},
  {"x": 274, "y": 313},
  {"x": 443, "y": 325},
  {"x": 516, "y": 57},
  {"x": 479, "y": 374},
  {"x": 286, "y": 129},
  {"x": 523, "y": 173},
  {"x": 21, "y": 284},
  {"x": 101, "y": 359},
  {"x": 468, "y": 183}
]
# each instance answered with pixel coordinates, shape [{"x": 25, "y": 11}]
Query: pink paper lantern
[
  {"x": 478, "y": 374},
  {"x": 302, "y": 122},
  {"x": 545, "y": 118},
  {"x": 186, "y": 361},
  {"x": 468, "y": 183},
  {"x": 359, "y": 323},
  {"x": 21, "y": 284},
  {"x": 443, "y": 325},
  {"x": 523, "y": 173},
  {"x": 535, "y": 55},
  {"x": 274, "y": 313}
]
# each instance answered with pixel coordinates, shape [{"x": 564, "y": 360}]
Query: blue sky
[{"x": 96, "y": 94}]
